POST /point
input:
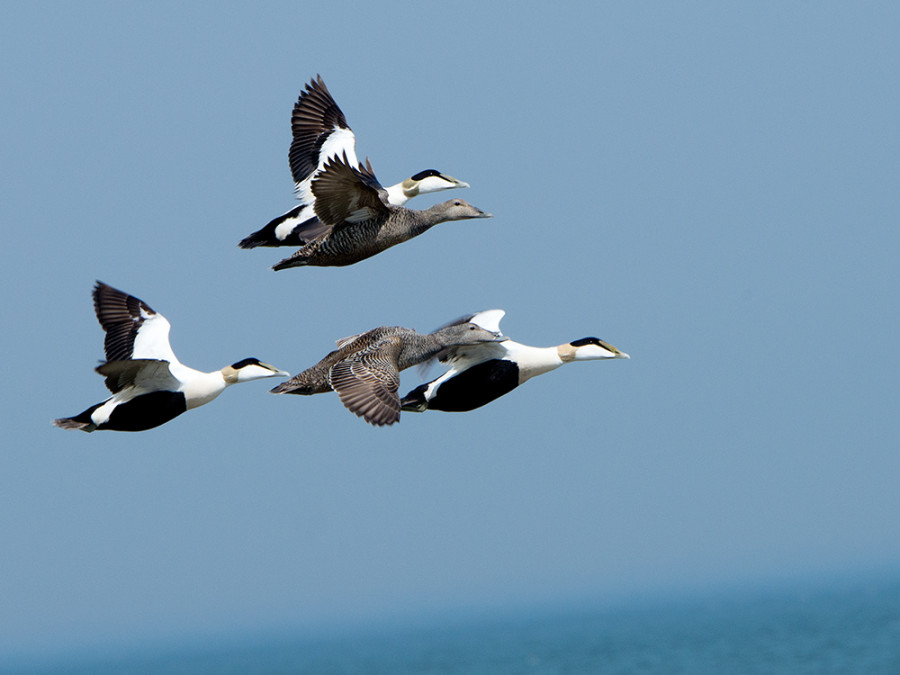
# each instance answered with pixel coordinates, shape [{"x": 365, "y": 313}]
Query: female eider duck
[
  {"x": 359, "y": 219},
  {"x": 481, "y": 373},
  {"x": 320, "y": 131},
  {"x": 150, "y": 386},
  {"x": 365, "y": 369}
]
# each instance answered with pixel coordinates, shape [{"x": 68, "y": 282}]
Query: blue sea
[{"x": 851, "y": 629}]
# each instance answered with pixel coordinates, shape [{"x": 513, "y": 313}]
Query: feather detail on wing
[
  {"x": 320, "y": 131},
  {"x": 148, "y": 373},
  {"x": 346, "y": 195},
  {"x": 133, "y": 329},
  {"x": 367, "y": 382},
  {"x": 310, "y": 229},
  {"x": 343, "y": 342}
]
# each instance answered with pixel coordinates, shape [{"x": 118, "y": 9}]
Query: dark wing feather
[
  {"x": 121, "y": 318},
  {"x": 314, "y": 118},
  {"x": 445, "y": 355},
  {"x": 367, "y": 381},
  {"x": 345, "y": 195},
  {"x": 308, "y": 230}
]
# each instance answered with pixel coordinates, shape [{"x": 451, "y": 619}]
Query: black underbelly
[
  {"x": 146, "y": 411},
  {"x": 476, "y": 386}
]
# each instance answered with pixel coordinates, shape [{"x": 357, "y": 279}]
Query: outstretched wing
[
  {"x": 367, "y": 381},
  {"x": 320, "y": 131},
  {"x": 343, "y": 342},
  {"x": 133, "y": 329},
  {"x": 346, "y": 195},
  {"x": 150, "y": 373}
]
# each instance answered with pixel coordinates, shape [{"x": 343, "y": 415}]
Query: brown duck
[
  {"x": 365, "y": 369},
  {"x": 359, "y": 221}
]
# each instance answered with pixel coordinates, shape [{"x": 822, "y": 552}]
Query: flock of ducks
[{"x": 345, "y": 215}]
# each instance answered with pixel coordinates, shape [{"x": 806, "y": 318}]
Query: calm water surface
[{"x": 847, "y": 630}]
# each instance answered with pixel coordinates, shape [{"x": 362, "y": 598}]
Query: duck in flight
[
  {"x": 365, "y": 369},
  {"x": 360, "y": 221},
  {"x": 320, "y": 132},
  {"x": 149, "y": 385},
  {"x": 481, "y": 373}
]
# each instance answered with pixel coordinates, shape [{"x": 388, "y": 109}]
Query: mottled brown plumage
[
  {"x": 320, "y": 131},
  {"x": 360, "y": 220},
  {"x": 365, "y": 369}
]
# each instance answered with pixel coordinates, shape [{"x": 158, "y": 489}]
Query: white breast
[
  {"x": 198, "y": 387},
  {"x": 532, "y": 361}
]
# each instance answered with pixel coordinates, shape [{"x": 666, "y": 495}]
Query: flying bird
[
  {"x": 149, "y": 385},
  {"x": 481, "y": 373},
  {"x": 360, "y": 221},
  {"x": 365, "y": 369},
  {"x": 320, "y": 132}
]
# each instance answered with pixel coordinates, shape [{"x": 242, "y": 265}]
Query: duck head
[
  {"x": 250, "y": 369},
  {"x": 430, "y": 180},
  {"x": 457, "y": 209},
  {"x": 589, "y": 349},
  {"x": 468, "y": 333}
]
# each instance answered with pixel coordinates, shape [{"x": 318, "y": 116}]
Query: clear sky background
[{"x": 711, "y": 187}]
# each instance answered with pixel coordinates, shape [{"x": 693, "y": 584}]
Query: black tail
[
  {"x": 266, "y": 236},
  {"x": 292, "y": 388},
  {"x": 81, "y": 421},
  {"x": 295, "y": 260},
  {"x": 415, "y": 401},
  {"x": 263, "y": 237},
  {"x": 258, "y": 238}
]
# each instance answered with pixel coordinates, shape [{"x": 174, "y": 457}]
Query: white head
[
  {"x": 429, "y": 180},
  {"x": 589, "y": 349},
  {"x": 250, "y": 369}
]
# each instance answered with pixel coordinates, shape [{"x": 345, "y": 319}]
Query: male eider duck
[
  {"x": 365, "y": 369},
  {"x": 481, "y": 373},
  {"x": 320, "y": 131},
  {"x": 150, "y": 386},
  {"x": 360, "y": 220}
]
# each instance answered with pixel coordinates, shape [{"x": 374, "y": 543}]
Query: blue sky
[{"x": 711, "y": 188}]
